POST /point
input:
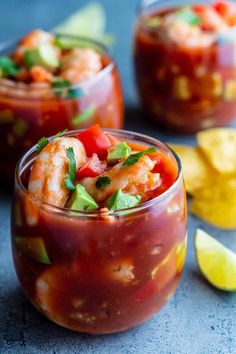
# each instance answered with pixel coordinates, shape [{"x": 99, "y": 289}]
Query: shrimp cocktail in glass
[
  {"x": 99, "y": 228},
  {"x": 185, "y": 63},
  {"x": 49, "y": 83}
]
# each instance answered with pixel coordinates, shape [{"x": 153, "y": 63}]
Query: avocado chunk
[
  {"x": 118, "y": 152},
  {"x": 34, "y": 248},
  {"x": 120, "y": 200},
  {"x": 81, "y": 200},
  {"x": 45, "y": 55}
]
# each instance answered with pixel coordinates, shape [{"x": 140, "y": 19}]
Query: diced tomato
[
  {"x": 221, "y": 7},
  {"x": 95, "y": 141},
  {"x": 39, "y": 74},
  {"x": 227, "y": 9},
  {"x": 210, "y": 18},
  {"x": 92, "y": 168},
  {"x": 167, "y": 169}
]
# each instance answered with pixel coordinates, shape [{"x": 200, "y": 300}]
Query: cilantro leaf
[
  {"x": 63, "y": 88},
  {"x": 61, "y": 84},
  {"x": 132, "y": 159},
  {"x": 59, "y": 134},
  {"x": 71, "y": 174},
  {"x": 102, "y": 182},
  {"x": 8, "y": 67},
  {"x": 60, "y": 87},
  {"x": 186, "y": 14},
  {"x": 44, "y": 141},
  {"x": 41, "y": 144}
]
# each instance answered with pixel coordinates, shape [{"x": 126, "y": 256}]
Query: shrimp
[
  {"x": 52, "y": 282},
  {"x": 36, "y": 38},
  {"x": 134, "y": 179},
  {"x": 32, "y": 40},
  {"x": 184, "y": 34},
  {"x": 80, "y": 64},
  {"x": 46, "y": 181}
]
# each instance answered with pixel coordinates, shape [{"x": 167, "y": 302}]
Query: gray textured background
[{"x": 197, "y": 320}]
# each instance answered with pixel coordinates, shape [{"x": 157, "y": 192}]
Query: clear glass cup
[
  {"x": 184, "y": 89},
  {"x": 30, "y": 111},
  {"x": 99, "y": 272}
]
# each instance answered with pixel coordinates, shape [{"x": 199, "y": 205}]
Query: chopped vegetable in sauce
[
  {"x": 38, "y": 57},
  {"x": 98, "y": 175}
]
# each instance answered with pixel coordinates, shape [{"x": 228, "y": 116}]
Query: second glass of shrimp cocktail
[
  {"x": 49, "y": 83},
  {"x": 185, "y": 65},
  {"x": 99, "y": 228}
]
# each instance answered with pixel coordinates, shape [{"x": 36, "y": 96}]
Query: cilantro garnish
[
  {"x": 60, "y": 87},
  {"x": 61, "y": 83},
  {"x": 44, "y": 141},
  {"x": 63, "y": 88},
  {"x": 8, "y": 67},
  {"x": 71, "y": 174},
  {"x": 41, "y": 144},
  {"x": 186, "y": 14},
  {"x": 102, "y": 182},
  {"x": 132, "y": 159}
]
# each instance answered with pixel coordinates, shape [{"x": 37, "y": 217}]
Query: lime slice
[
  {"x": 216, "y": 262},
  {"x": 90, "y": 21}
]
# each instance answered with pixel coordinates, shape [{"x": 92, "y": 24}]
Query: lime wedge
[
  {"x": 89, "y": 21},
  {"x": 216, "y": 262}
]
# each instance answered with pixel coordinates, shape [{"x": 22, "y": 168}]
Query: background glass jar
[
  {"x": 183, "y": 88},
  {"x": 30, "y": 111},
  {"x": 99, "y": 272}
]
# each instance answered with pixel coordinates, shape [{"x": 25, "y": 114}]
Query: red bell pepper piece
[
  {"x": 221, "y": 7},
  {"x": 210, "y": 18},
  {"x": 95, "y": 141},
  {"x": 92, "y": 168},
  {"x": 167, "y": 168},
  {"x": 227, "y": 9}
]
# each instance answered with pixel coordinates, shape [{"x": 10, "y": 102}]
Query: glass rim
[
  {"x": 103, "y": 49},
  {"x": 98, "y": 213},
  {"x": 144, "y": 4}
]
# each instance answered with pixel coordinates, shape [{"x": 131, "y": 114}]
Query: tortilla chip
[
  {"x": 197, "y": 172},
  {"x": 216, "y": 204},
  {"x": 219, "y": 147}
]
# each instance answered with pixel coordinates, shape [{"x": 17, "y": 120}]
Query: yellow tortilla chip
[
  {"x": 210, "y": 176},
  {"x": 219, "y": 147},
  {"x": 217, "y": 204},
  {"x": 197, "y": 172}
]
